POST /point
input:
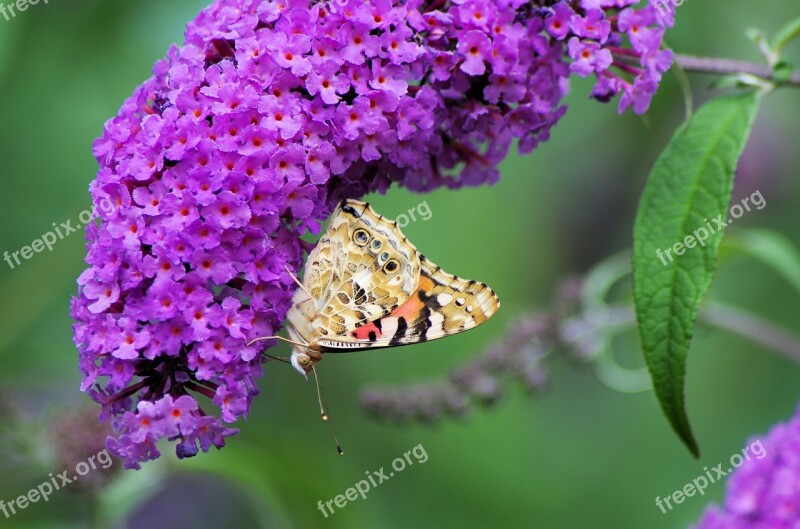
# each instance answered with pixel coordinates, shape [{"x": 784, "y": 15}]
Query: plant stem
[
  {"x": 732, "y": 319},
  {"x": 711, "y": 65},
  {"x": 750, "y": 326}
]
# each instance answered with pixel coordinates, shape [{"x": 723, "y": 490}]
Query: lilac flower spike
[
  {"x": 764, "y": 493},
  {"x": 247, "y": 135}
]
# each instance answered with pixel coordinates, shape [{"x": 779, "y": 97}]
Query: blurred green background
[{"x": 578, "y": 455}]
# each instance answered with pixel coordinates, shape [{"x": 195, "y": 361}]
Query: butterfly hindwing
[{"x": 442, "y": 305}]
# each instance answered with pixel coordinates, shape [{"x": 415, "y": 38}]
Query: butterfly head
[{"x": 305, "y": 360}]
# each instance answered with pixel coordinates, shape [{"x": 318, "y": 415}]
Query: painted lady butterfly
[{"x": 366, "y": 286}]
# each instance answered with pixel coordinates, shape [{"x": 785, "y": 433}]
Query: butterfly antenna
[
  {"x": 299, "y": 284},
  {"x": 324, "y": 414}
]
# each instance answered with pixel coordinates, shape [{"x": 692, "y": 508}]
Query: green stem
[
  {"x": 750, "y": 326},
  {"x": 712, "y": 65},
  {"x": 597, "y": 326}
]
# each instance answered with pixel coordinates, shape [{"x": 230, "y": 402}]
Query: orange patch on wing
[
  {"x": 413, "y": 306},
  {"x": 407, "y": 310},
  {"x": 362, "y": 333}
]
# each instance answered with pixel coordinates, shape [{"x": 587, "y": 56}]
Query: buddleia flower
[{"x": 248, "y": 134}]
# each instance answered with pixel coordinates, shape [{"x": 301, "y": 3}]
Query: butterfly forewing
[
  {"x": 370, "y": 287},
  {"x": 347, "y": 271},
  {"x": 443, "y": 305}
]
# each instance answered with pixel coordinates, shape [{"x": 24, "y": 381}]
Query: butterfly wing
[
  {"x": 442, "y": 305},
  {"x": 361, "y": 270}
]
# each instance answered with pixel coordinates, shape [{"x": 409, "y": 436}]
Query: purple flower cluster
[
  {"x": 248, "y": 134},
  {"x": 595, "y": 45},
  {"x": 764, "y": 493}
]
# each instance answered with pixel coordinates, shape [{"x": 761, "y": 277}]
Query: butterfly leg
[
  {"x": 287, "y": 340},
  {"x": 279, "y": 358},
  {"x": 299, "y": 284}
]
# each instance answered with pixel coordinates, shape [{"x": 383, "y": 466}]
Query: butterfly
[{"x": 366, "y": 287}]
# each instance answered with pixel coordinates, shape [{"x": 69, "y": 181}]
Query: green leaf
[
  {"x": 728, "y": 81},
  {"x": 786, "y": 34},
  {"x": 772, "y": 249},
  {"x": 689, "y": 186}
]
